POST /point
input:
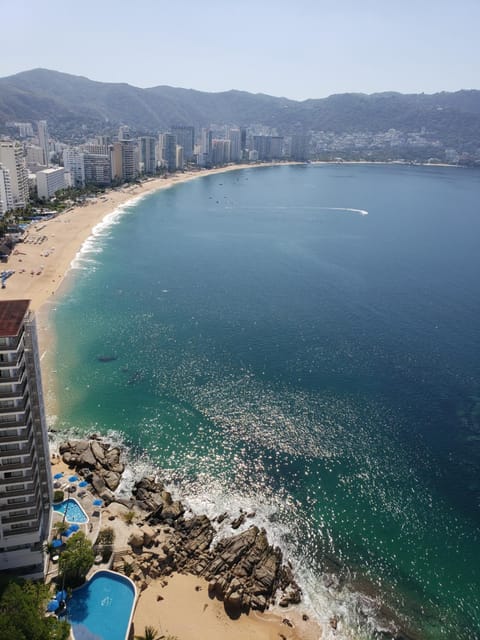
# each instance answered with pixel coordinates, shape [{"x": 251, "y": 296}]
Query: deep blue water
[{"x": 270, "y": 350}]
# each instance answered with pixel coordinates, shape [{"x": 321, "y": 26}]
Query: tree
[
  {"x": 104, "y": 543},
  {"x": 61, "y": 527},
  {"x": 150, "y": 633},
  {"x": 76, "y": 560},
  {"x": 22, "y": 609}
]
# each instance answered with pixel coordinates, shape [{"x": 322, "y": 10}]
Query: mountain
[{"x": 74, "y": 105}]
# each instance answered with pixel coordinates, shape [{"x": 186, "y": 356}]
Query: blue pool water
[
  {"x": 73, "y": 511},
  {"x": 102, "y": 608}
]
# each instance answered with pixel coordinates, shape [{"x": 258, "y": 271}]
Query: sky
[{"x": 298, "y": 49}]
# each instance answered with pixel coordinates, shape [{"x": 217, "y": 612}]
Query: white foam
[
  {"x": 361, "y": 212},
  {"x": 92, "y": 245}
]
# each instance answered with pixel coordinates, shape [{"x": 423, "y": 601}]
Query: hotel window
[
  {"x": 20, "y": 513},
  {"x": 16, "y": 500},
  {"x": 10, "y": 447},
  {"x": 17, "y": 487}
]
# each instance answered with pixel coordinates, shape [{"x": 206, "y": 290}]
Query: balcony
[
  {"x": 29, "y": 491},
  {"x": 29, "y": 517},
  {"x": 18, "y": 505},
  {"x": 13, "y": 393},
  {"x": 18, "y": 466},
  {"x": 19, "y": 408},
  {"x": 18, "y": 532},
  {"x": 12, "y": 424},
  {"x": 28, "y": 477},
  {"x": 15, "y": 437},
  {"x": 13, "y": 379},
  {"x": 13, "y": 343}
]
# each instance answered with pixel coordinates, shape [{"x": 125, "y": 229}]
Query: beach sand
[{"x": 182, "y": 608}]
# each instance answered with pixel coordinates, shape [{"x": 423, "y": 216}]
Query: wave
[
  {"x": 361, "y": 212},
  {"x": 92, "y": 245}
]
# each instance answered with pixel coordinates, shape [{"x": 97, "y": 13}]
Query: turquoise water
[
  {"x": 273, "y": 348},
  {"x": 101, "y": 608},
  {"x": 72, "y": 510}
]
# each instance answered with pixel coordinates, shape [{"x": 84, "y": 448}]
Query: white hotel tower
[{"x": 25, "y": 477}]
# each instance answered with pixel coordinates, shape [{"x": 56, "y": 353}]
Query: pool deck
[{"x": 99, "y": 517}]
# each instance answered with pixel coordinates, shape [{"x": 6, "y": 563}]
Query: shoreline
[
  {"x": 42, "y": 262},
  {"x": 164, "y": 553}
]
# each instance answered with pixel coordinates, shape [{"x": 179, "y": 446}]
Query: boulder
[
  {"x": 87, "y": 459},
  {"x": 136, "y": 538},
  {"x": 148, "y": 534},
  {"x": 98, "y": 483},
  {"x": 79, "y": 446},
  {"x": 112, "y": 480},
  {"x": 98, "y": 451},
  {"x": 172, "y": 511},
  {"x": 238, "y": 521},
  {"x": 233, "y": 604}
]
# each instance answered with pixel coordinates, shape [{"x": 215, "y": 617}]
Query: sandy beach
[
  {"x": 41, "y": 262},
  {"x": 181, "y": 607}
]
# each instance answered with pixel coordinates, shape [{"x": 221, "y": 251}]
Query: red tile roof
[{"x": 12, "y": 313}]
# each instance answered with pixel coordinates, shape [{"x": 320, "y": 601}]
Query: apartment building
[
  {"x": 25, "y": 479},
  {"x": 12, "y": 159}
]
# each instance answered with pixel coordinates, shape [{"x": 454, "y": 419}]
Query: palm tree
[
  {"x": 150, "y": 633},
  {"x": 61, "y": 527}
]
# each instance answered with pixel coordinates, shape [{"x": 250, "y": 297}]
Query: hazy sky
[{"x": 296, "y": 48}]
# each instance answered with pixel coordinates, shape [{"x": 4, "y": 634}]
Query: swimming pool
[
  {"x": 103, "y": 607},
  {"x": 72, "y": 510}
]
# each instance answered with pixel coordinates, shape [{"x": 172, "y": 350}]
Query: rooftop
[{"x": 12, "y": 314}]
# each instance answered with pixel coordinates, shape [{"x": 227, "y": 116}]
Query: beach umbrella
[
  {"x": 74, "y": 527},
  {"x": 97, "y": 502},
  {"x": 83, "y": 483},
  {"x": 57, "y": 476},
  {"x": 68, "y": 533},
  {"x": 53, "y": 605},
  {"x": 61, "y": 595},
  {"x": 56, "y": 543},
  {"x": 73, "y": 478}
]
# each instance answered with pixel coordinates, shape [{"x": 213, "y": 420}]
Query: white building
[
  {"x": 146, "y": 153},
  {"x": 6, "y": 196},
  {"x": 25, "y": 478},
  {"x": 43, "y": 141},
  {"x": 35, "y": 156},
  {"x": 49, "y": 181},
  {"x": 74, "y": 164},
  {"x": 179, "y": 161},
  {"x": 11, "y": 157},
  {"x": 235, "y": 145}
]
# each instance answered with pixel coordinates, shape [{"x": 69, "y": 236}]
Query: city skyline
[{"x": 299, "y": 51}]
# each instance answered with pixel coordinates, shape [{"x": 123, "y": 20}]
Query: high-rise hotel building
[{"x": 25, "y": 477}]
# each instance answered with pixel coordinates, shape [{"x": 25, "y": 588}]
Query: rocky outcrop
[
  {"x": 97, "y": 462},
  {"x": 243, "y": 570}
]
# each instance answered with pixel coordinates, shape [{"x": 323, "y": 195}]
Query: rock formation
[{"x": 243, "y": 570}]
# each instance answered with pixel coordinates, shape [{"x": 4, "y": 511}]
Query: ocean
[{"x": 302, "y": 342}]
